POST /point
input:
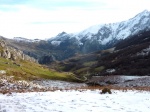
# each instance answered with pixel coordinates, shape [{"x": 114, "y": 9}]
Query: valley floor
[{"x": 76, "y": 101}]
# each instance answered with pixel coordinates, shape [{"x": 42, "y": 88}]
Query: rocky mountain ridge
[
  {"x": 95, "y": 38},
  {"x": 13, "y": 54},
  {"x": 107, "y": 34}
]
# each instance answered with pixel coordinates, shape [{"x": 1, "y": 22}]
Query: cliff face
[{"x": 13, "y": 54}]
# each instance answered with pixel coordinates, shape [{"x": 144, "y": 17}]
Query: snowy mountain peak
[
  {"x": 145, "y": 12},
  {"x": 120, "y": 30},
  {"x": 91, "y": 30},
  {"x": 106, "y": 35},
  {"x": 62, "y": 34}
]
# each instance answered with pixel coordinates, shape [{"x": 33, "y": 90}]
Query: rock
[
  {"x": 106, "y": 90},
  {"x": 12, "y": 53},
  {"x": 2, "y": 43},
  {"x": 1, "y": 85},
  {"x": 2, "y": 72},
  {"x": 16, "y": 64}
]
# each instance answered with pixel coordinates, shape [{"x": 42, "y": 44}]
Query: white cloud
[{"x": 32, "y": 21}]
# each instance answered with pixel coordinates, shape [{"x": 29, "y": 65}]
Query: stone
[{"x": 2, "y": 72}]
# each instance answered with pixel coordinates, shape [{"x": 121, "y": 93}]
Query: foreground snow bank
[{"x": 76, "y": 101}]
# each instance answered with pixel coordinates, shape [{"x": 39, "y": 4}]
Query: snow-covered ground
[{"x": 76, "y": 101}]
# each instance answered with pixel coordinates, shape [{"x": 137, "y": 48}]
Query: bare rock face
[
  {"x": 2, "y": 43},
  {"x": 13, "y": 54}
]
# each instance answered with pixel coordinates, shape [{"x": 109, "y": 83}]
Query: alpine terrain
[
  {"x": 95, "y": 38},
  {"x": 97, "y": 69}
]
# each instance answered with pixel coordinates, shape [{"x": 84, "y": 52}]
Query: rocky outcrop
[{"x": 13, "y": 54}]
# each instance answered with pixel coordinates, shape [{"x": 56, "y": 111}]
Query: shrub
[
  {"x": 99, "y": 69},
  {"x": 106, "y": 90}
]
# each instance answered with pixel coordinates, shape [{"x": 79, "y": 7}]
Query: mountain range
[
  {"x": 95, "y": 38},
  {"x": 105, "y": 35}
]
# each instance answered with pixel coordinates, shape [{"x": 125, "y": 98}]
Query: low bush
[{"x": 106, "y": 90}]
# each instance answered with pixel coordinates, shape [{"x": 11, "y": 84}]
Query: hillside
[
  {"x": 19, "y": 71},
  {"x": 130, "y": 57}
]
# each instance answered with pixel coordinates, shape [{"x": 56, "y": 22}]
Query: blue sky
[{"x": 46, "y": 18}]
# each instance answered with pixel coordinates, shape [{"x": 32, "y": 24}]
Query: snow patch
[
  {"x": 106, "y": 40},
  {"x": 76, "y": 101},
  {"x": 144, "y": 52},
  {"x": 56, "y": 43},
  {"x": 91, "y": 30},
  {"x": 110, "y": 70}
]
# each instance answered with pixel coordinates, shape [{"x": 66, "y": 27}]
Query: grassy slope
[
  {"x": 23, "y": 70},
  {"x": 81, "y": 66}
]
